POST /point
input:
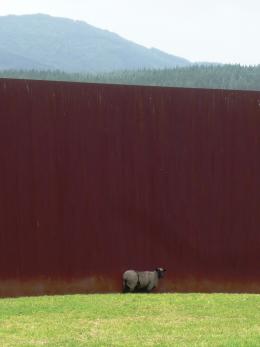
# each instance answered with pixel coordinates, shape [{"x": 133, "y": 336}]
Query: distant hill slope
[
  {"x": 8, "y": 60},
  {"x": 45, "y": 42}
]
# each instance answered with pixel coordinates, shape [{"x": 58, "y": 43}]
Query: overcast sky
[{"x": 226, "y": 31}]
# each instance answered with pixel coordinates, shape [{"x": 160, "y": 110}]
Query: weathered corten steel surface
[{"x": 97, "y": 179}]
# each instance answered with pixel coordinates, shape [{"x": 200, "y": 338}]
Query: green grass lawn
[{"x": 131, "y": 320}]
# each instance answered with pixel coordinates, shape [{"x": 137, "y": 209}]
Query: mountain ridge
[{"x": 49, "y": 42}]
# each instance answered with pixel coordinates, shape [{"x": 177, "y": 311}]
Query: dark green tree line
[{"x": 196, "y": 76}]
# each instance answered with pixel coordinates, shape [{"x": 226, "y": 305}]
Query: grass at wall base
[{"x": 131, "y": 320}]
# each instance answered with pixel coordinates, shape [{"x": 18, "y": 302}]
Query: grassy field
[{"x": 131, "y": 320}]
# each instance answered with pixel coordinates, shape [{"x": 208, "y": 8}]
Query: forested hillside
[
  {"x": 45, "y": 42},
  {"x": 221, "y": 76}
]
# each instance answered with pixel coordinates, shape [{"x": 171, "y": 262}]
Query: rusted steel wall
[{"x": 96, "y": 179}]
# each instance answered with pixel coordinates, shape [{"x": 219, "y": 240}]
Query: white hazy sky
[{"x": 226, "y": 31}]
